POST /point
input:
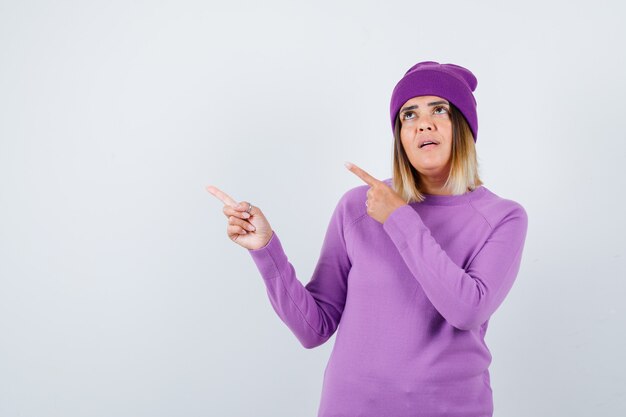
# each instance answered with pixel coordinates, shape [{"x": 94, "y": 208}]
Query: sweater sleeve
[
  {"x": 466, "y": 298},
  {"x": 311, "y": 312}
]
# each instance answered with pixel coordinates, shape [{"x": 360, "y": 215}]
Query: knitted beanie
[{"x": 430, "y": 78}]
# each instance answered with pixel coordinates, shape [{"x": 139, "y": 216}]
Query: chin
[{"x": 430, "y": 168}]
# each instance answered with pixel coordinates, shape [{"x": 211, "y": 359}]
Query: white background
[{"x": 120, "y": 293}]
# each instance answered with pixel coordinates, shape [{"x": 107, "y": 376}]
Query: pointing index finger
[
  {"x": 226, "y": 199},
  {"x": 362, "y": 174}
]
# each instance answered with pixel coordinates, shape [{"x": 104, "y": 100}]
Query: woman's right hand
[{"x": 250, "y": 230}]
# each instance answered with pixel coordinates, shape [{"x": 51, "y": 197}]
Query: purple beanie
[{"x": 429, "y": 78}]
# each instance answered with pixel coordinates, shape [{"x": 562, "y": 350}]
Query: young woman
[{"x": 411, "y": 268}]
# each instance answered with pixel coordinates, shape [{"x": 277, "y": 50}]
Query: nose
[
  {"x": 425, "y": 123},
  {"x": 425, "y": 126}
]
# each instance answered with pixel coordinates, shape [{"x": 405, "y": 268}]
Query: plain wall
[{"x": 120, "y": 293}]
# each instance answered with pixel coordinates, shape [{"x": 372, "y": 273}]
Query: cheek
[
  {"x": 407, "y": 134},
  {"x": 402, "y": 133},
  {"x": 406, "y": 144},
  {"x": 447, "y": 129}
]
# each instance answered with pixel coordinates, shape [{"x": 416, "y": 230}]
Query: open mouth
[{"x": 428, "y": 144}]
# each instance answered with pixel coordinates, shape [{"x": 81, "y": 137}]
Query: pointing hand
[
  {"x": 250, "y": 230},
  {"x": 382, "y": 200}
]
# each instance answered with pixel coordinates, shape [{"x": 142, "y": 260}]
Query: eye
[
  {"x": 406, "y": 114},
  {"x": 441, "y": 108}
]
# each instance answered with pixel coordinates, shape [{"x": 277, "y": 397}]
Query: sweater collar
[
  {"x": 449, "y": 200},
  {"x": 453, "y": 200}
]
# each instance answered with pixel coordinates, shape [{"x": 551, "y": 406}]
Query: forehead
[{"x": 423, "y": 100}]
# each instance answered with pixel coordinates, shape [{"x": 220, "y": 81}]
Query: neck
[{"x": 433, "y": 184}]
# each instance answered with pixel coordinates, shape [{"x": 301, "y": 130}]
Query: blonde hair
[{"x": 463, "y": 175}]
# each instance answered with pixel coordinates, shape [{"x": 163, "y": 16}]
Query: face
[{"x": 427, "y": 118}]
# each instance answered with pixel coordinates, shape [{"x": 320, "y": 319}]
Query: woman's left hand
[{"x": 382, "y": 200}]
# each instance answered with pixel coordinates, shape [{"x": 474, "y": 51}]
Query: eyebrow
[{"x": 415, "y": 106}]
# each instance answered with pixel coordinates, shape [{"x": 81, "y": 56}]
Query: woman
[{"x": 411, "y": 268}]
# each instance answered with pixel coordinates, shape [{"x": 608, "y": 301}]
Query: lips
[{"x": 423, "y": 143}]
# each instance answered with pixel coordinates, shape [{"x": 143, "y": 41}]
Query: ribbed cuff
[
  {"x": 270, "y": 259},
  {"x": 397, "y": 224}
]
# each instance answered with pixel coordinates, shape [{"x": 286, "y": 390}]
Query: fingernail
[{"x": 348, "y": 164}]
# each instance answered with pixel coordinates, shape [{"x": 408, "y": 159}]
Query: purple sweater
[{"x": 410, "y": 299}]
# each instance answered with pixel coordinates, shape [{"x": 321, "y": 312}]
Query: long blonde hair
[{"x": 463, "y": 175}]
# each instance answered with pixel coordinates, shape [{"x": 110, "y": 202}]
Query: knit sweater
[{"x": 410, "y": 300}]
